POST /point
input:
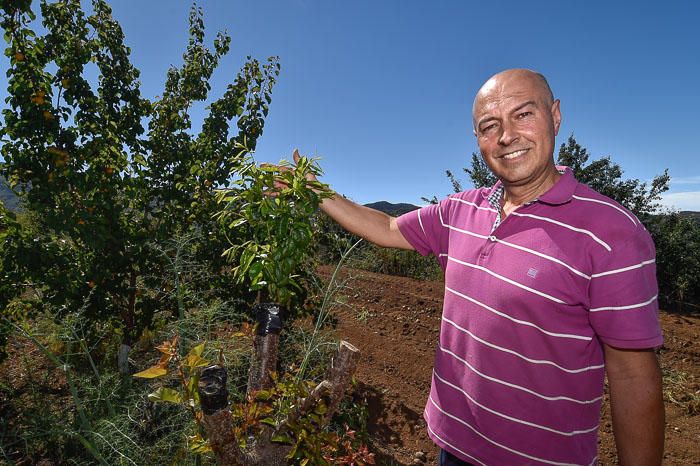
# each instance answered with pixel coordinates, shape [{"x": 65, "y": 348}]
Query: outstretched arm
[
  {"x": 637, "y": 405},
  {"x": 370, "y": 224}
]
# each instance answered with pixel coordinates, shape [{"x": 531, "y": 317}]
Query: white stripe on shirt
[
  {"x": 515, "y": 386},
  {"x": 521, "y": 248},
  {"x": 493, "y": 442},
  {"x": 518, "y": 321},
  {"x": 456, "y": 199},
  {"x": 588, "y": 199},
  {"x": 523, "y": 357},
  {"x": 511, "y": 418},
  {"x": 566, "y": 225},
  {"x": 624, "y": 308},
  {"x": 624, "y": 269},
  {"x": 471, "y": 458},
  {"x": 420, "y": 222},
  {"x": 507, "y": 280}
]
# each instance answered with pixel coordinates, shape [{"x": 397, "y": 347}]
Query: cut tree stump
[{"x": 261, "y": 451}]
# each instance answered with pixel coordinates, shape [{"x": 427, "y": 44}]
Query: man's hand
[
  {"x": 280, "y": 184},
  {"x": 637, "y": 405}
]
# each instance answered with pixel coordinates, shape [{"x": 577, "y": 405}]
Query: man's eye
[
  {"x": 488, "y": 128},
  {"x": 524, "y": 114}
]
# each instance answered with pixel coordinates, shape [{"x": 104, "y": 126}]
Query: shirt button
[{"x": 492, "y": 238}]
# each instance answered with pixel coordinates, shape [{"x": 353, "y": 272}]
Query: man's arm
[
  {"x": 370, "y": 224},
  {"x": 636, "y": 398}
]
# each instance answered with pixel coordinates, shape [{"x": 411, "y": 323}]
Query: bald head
[{"x": 518, "y": 76}]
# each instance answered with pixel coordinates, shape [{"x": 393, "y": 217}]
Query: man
[{"x": 548, "y": 286}]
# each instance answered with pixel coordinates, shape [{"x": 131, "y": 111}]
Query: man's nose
[{"x": 508, "y": 134}]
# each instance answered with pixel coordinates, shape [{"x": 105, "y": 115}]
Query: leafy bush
[
  {"x": 677, "y": 240},
  {"x": 268, "y": 212},
  {"x": 399, "y": 262}
]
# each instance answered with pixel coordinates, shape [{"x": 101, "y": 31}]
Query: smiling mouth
[{"x": 514, "y": 154}]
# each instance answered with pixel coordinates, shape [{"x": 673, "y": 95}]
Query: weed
[
  {"x": 364, "y": 314},
  {"x": 681, "y": 389}
]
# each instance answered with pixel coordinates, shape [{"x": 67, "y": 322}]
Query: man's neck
[{"x": 515, "y": 196}]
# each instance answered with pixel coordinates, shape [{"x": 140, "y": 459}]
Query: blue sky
[{"x": 382, "y": 90}]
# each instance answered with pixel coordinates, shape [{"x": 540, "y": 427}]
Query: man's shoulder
[
  {"x": 472, "y": 195},
  {"x": 470, "y": 199},
  {"x": 604, "y": 214}
]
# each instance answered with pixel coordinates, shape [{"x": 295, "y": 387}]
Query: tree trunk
[
  {"x": 266, "y": 346},
  {"x": 129, "y": 319},
  {"x": 343, "y": 366},
  {"x": 123, "y": 359}
]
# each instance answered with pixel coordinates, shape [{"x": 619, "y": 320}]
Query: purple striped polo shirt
[{"x": 519, "y": 369}]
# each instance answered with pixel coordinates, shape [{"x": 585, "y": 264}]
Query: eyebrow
[{"x": 519, "y": 107}]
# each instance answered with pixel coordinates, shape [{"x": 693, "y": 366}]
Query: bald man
[{"x": 549, "y": 286}]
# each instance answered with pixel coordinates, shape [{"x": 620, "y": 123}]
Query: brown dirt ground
[{"x": 394, "y": 321}]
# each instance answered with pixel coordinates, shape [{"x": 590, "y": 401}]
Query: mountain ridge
[
  {"x": 392, "y": 209},
  {"x": 7, "y": 197}
]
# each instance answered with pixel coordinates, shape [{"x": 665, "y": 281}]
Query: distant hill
[
  {"x": 692, "y": 214},
  {"x": 7, "y": 197},
  {"x": 392, "y": 209}
]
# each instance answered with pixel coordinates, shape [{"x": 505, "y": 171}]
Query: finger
[{"x": 271, "y": 193}]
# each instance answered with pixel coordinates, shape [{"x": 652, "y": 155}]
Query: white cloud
[
  {"x": 689, "y": 200},
  {"x": 685, "y": 180}
]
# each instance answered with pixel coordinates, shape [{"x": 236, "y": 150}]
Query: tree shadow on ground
[{"x": 389, "y": 421}]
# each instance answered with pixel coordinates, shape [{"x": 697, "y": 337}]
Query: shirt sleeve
[
  {"x": 426, "y": 228},
  {"x": 624, "y": 307}
]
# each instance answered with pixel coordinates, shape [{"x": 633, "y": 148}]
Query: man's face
[{"x": 515, "y": 123}]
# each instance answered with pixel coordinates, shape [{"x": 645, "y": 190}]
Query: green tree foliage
[
  {"x": 103, "y": 187},
  {"x": 677, "y": 241},
  {"x": 479, "y": 173},
  {"x": 278, "y": 228},
  {"x": 605, "y": 176}
]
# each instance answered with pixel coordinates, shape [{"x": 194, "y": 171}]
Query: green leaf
[
  {"x": 281, "y": 438},
  {"x": 152, "y": 372},
  {"x": 198, "y": 350},
  {"x": 167, "y": 395},
  {"x": 199, "y": 445},
  {"x": 263, "y": 395},
  {"x": 255, "y": 273},
  {"x": 193, "y": 361},
  {"x": 321, "y": 409}
]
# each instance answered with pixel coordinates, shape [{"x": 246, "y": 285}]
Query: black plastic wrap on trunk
[
  {"x": 269, "y": 317},
  {"x": 213, "y": 394}
]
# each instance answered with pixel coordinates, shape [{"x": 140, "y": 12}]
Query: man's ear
[{"x": 556, "y": 116}]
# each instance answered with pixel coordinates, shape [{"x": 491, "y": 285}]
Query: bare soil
[{"x": 395, "y": 321}]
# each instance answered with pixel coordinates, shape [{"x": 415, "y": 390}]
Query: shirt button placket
[{"x": 486, "y": 249}]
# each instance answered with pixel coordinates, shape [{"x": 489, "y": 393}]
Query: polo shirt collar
[
  {"x": 560, "y": 193},
  {"x": 563, "y": 189}
]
